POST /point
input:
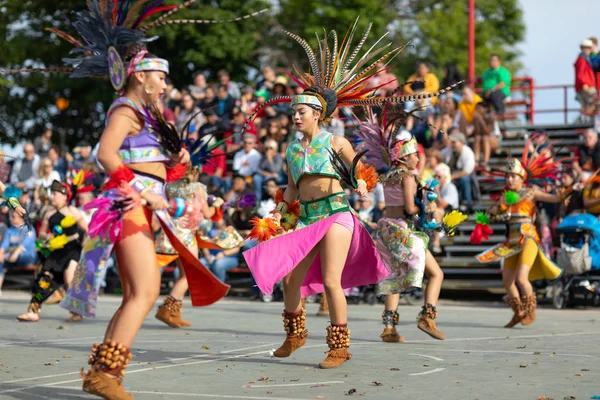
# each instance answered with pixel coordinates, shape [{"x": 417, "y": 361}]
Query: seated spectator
[
  {"x": 198, "y": 89},
  {"x": 172, "y": 97},
  {"x": 213, "y": 128},
  {"x": 221, "y": 261},
  {"x": 4, "y": 168},
  {"x": 247, "y": 160},
  {"x": 496, "y": 84},
  {"x": 18, "y": 247},
  {"x": 270, "y": 166},
  {"x": 225, "y": 105},
  {"x": 84, "y": 198},
  {"x": 232, "y": 88},
  {"x": 434, "y": 158},
  {"x": 280, "y": 89},
  {"x": 24, "y": 171},
  {"x": 420, "y": 120},
  {"x": 573, "y": 204},
  {"x": 267, "y": 202},
  {"x": 368, "y": 213},
  {"x": 452, "y": 75},
  {"x": 247, "y": 102},
  {"x": 167, "y": 114},
  {"x": 462, "y": 163},
  {"x": 335, "y": 126},
  {"x": 586, "y": 86},
  {"x": 236, "y": 141},
  {"x": 46, "y": 175},
  {"x": 385, "y": 78},
  {"x": 239, "y": 188},
  {"x": 587, "y": 155},
  {"x": 486, "y": 134},
  {"x": 188, "y": 111},
  {"x": 447, "y": 200},
  {"x": 267, "y": 79},
  {"x": 423, "y": 73},
  {"x": 60, "y": 165},
  {"x": 466, "y": 110},
  {"x": 209, "y": 101},
  {"x": 445, "y": 122}
]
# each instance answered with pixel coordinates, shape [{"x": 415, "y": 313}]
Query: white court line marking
[
  {"x": 293, "y": 384},
  {"x": 530, "y": 353},
  {"x": 143, "y": 369},
  {"x": 426, "y": 356},
  {"x": 428, "y": 372},
  {"x": 217, "y": 396},
  {"x": 74, "y": 339},
  {"x": 506, "y": 337}
]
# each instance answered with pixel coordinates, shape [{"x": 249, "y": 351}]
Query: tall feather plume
[
  {"x": 166, "y": 15},
  {"x": 207, "y": 21},
  {"x": 312, "y": 59}
]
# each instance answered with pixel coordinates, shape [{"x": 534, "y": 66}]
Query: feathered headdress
[
  {"x": 537, "y": 166},
  {"x": 113, "y": 38},
  {"x": 339, "y": 78},
  {"x": 377, "y": 137}
]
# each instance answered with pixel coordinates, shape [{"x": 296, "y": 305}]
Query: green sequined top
[{"x": 314, "y": 160}]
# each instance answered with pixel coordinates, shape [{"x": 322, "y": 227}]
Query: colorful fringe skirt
[
  {"x": 272, "y": 260},
  {"x": 522, "y": 246},
  {"x": 403, "y": 250},
  {"x": 82, "y": 295}
]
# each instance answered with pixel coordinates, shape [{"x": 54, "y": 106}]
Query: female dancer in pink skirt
[{"x": 329, "y": 250}]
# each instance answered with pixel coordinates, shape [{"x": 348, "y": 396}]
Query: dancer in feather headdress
[
  {"x": 140, "y": 151},
  {"x": 521, "y": 253},
  {"x": 401, "y": 238},
  {"x": 329, "y": 250}
]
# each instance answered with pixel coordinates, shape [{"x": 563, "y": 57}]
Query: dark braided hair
[{"x": 328, "y": 95}]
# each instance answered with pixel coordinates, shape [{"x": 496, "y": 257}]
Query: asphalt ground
[{"x": 226, "y": 355}]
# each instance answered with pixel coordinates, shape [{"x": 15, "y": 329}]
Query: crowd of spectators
[{"x": 457, "y": 135}]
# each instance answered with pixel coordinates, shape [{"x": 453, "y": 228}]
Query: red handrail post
[
  {"x": 532, "y": 99},
  {"x": 565, "y": 98},
  {"x": 472, "y": 42}
]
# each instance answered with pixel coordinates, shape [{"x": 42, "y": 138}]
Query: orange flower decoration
[
  {"x": 367, "y": 174},
  {"x": 293, "y": 208},
  {"x": 263, "y": 228}
]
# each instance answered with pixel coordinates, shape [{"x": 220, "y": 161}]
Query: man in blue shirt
[{"x": 18, "y": 246}]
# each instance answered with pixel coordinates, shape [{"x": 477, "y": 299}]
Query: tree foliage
[{"x": 437, "y": 30}]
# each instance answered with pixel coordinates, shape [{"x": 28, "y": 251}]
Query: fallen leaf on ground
[
  {"x": 206, "y": 347},
  {"x": 377, "y": 383},
  {"x": 569, "y": 398},
  {"x": 269, "y": 392},
  {"x": 263, "y": 379},
  {"x": 521, "y": 347},
  {"x": 48, "y": 364},
  {"x": 426, "y": 365},
  {"x": 523, "y": 366},
  {"x": 537, "y": 353},
  {"x": 544, "y": 398},
  {"x": 61, "y": 327},
  {"x": 585, "y": 369},
  {"x": 394, "y": 369},
  {"x": 350, "y": 392},
  {"x": 578, "y": 374}
]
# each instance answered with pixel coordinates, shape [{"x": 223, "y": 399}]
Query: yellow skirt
[{"x": 522, "y": 247}]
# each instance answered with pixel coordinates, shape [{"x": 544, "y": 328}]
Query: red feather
[
  {"x": 152, "y": 12},
  {"x": 177, "y": 172},
  {"x": 121, "y": 174},
  {"x": 480, "y": 233}
]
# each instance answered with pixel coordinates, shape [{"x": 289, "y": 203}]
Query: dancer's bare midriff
[
  {"x": 312, "y": 187},
  {"x": 156, "y": 169}
]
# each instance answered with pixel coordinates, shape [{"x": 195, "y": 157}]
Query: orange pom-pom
[
  {"x": 367, "y": 174},
  {"x": 263, "y": 228}
]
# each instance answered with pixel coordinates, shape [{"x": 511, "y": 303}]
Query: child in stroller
[{"x": 579, "y": 257}]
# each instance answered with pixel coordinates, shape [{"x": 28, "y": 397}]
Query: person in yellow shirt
[
  {"x": 423, "y": 73},
  {"x": 466, "y": 108}
]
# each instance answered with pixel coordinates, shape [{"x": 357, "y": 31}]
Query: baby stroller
[{"x": 579, "y": 257}]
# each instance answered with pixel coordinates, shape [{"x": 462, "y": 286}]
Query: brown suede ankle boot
[
  {"x": 517, "y": 308},
  {"x": 338, "y": 340},
  {"x": 104, "y": 379},
  {"x": 390, "y": 335},
  {"x": 295, "y": 328},
  {"x": 323, "y": 307},
  {"x": 427, "y": 324},
  {"x": 170, "y": 313},
  {"x": 529, "y": 304}
]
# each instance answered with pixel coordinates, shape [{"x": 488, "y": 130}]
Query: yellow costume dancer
[{"x": 521, "y": 253}]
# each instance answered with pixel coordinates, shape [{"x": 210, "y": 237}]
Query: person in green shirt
[{"x": 496, "y": 84}]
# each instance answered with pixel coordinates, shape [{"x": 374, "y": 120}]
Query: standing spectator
[
  {"x": 462, "y": 163},
  {"x": 496, "y": 84},
  {"x": 267, "y": 79},
  {"x": 270, "y": 166},
  {"x": 232, "y": 88},
  {"x": 60, "y": 165},
  {"x": 43, "y": 143},
  {"x": 225, "y": 105},
  {"x": 247, "y": 160},
  {"x": 423, "y": 73},
  {"x": 587, "y": 155},
  {"x": 198, "y": 89},
  {"x": 24, "y": 171},
  {"x": 585, "y": 78},
  {"x": 188, "y": 111},
  {"x": 17, "y": 248},
  {"x": 447, "y": 200}
]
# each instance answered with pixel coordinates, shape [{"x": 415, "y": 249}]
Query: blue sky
[{"x": 554, "y": 30}]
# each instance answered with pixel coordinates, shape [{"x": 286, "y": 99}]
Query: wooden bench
[{"x": 19, "y": 278}]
